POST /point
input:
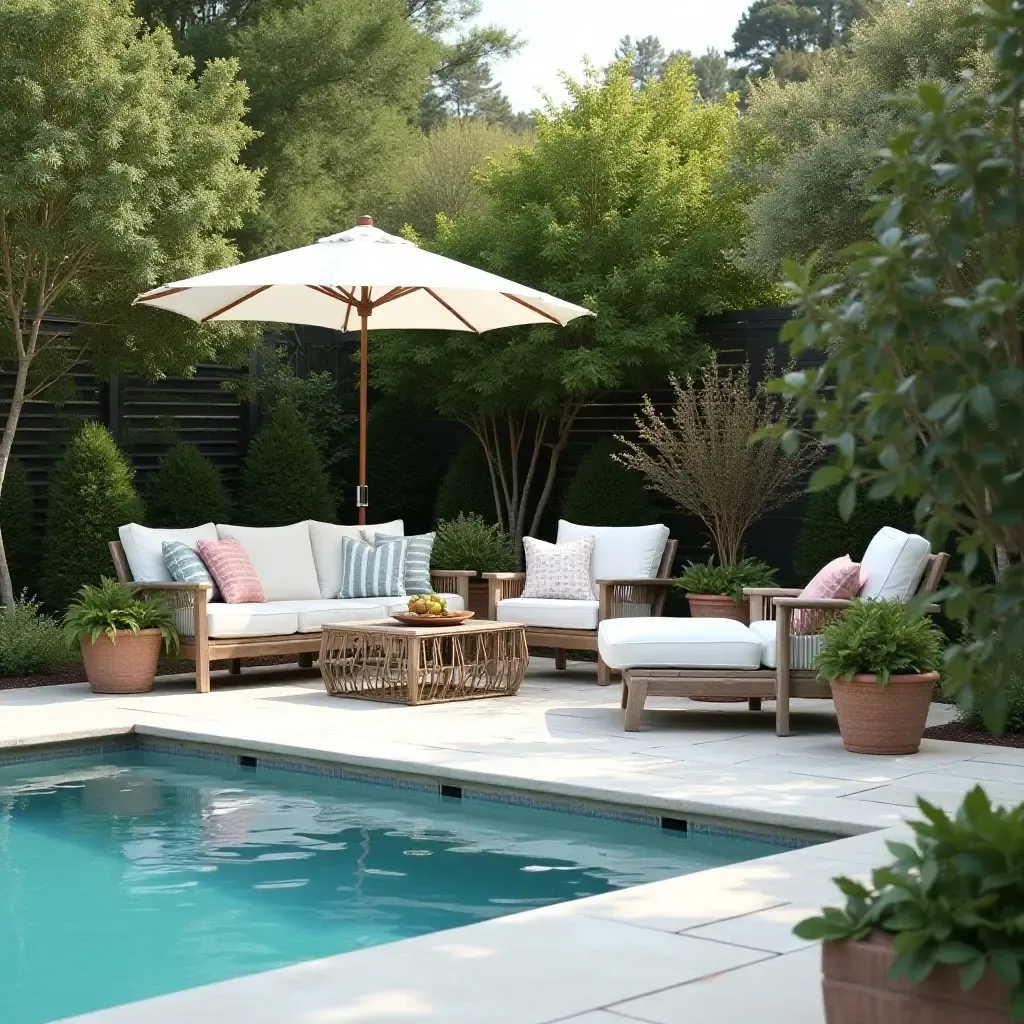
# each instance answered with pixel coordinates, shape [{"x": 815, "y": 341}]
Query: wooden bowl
[{"x": 412, "y": 619}]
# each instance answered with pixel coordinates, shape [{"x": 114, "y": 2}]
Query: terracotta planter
[
  {"x": 718, "y": 606},
  {"x": 125, "y": 665},
  {"x": 478, "y": 598},
  {"x": 856, "y": 990},
  {"x": 888, "y": 719}
]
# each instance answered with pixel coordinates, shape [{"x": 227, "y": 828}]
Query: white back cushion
[
  {"x": 326, "y": 542},
  {"x": 282, "y": 557},
  {"x": 893, "y": 564},
  {"x": 143, "y": 547},
  {"x": 620, "y": 552}
]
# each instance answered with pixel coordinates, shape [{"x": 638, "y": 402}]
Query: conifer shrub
[
  {"x": 603, "y": 492},
  {"x": 466, "y": 487},
  {"x": 186, "y": 490}
]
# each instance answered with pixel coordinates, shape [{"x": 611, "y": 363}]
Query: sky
[{"x": 558, "y": 33}]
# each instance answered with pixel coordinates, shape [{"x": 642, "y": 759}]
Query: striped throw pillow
[
  {"x": 185, "y": 566},
  {"x": 373, "y": 570},
  {"x": 235, "y": 574},
  {"x": 417, "y": 560}
]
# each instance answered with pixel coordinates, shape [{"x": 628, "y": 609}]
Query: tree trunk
[
  {"x": 565, "y": 422},
  {"x": 6, "y": 444}
]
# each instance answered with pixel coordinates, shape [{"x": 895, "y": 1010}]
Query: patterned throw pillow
[
  {"x": 231, "y": 569},
  {"x": 560, "y": 571},
  {"x": 185, "y": 566},
  {"x": 840, "y": 578},
  {"x": 417, "y": 560},
  {"x": 373, "y": 570}
]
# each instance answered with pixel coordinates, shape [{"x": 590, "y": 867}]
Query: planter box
[
  {"x": 856, "y": 990},
  {"x": 126, "y": 664},
  {"x": 887, "y": 719},
  {"x": 478, "y": 598},
  {"x": 718, "y": 606}
]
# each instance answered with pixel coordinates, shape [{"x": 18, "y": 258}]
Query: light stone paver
[{"x": 700, "y": 947}]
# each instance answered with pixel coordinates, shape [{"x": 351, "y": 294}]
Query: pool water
[{"x": 137, "y": 873}]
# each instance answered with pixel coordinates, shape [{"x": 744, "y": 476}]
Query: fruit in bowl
[{"x": 428, "y": 604}]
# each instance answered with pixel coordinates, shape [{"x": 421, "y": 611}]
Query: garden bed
[{"x": 961, "y": 732}]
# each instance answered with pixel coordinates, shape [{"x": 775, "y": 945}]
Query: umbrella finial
[{"x": 366, "y": 219}]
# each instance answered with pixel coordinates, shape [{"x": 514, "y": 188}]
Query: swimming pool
[{"x": 137, "y": 872}]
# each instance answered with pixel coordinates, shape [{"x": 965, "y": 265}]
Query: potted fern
[
  {"x": 120, "y": 632},
  {"x": 716, "y": 591},
  {"x": 469, "y": 542},
  {"x": 939, "y": 934},
  {"x": 881, "y": 660}
]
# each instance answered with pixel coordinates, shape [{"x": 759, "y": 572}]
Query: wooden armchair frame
[
  {"x": 780, "y": 683},
  {"x": 188, "y": 602},
  {"x": 616, "y": 599}
]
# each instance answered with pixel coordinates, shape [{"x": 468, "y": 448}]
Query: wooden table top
[{"x": 393, "y": 626}]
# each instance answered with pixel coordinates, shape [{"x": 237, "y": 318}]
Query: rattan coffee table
[{"x": 386, "y": 661}]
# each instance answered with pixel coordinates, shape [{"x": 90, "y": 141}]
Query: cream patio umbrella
[{"x": 385, "y": 281}]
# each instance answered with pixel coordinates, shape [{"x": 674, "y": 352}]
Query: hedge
[
  {"x": 466, "y": 487},
  {"x": 186, "y": 491},
  {"x": 603, "y": 492}
]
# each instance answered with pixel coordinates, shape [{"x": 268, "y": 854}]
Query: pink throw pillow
[
  {"x": 840, "y": 578},
  {"x": 232, "y": 571}
]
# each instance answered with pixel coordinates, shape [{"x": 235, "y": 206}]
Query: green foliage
[
  {"x": 284, "y": 480},
  {"x": 30, "y": 642},
  {"x": 710, "y": 578},
  {"x": 602, "y": 492},
  {"x": 808, "y": 148},
  {"x": 1014, "y": 690},
  {"x": 186, "y": 490},
  {"x": 878, "y": 638},
  {"x": 922, "y": 391},
  {"x": 954, "y": 897},
  {"x": 466, "y": 486},
  {"x": 112, "y": 606},
  {"x": 92, "y": 493},
  {"x": 401, "y": 466},
  {"x": 468, "y": 542},
  {"x": 824, "y": 534},
  {"x": 17, "y": 520}
]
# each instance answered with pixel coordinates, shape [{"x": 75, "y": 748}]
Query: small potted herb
[
  {"x": 716, "y": 591},
  {"x": 939, "y": 934},
  {"x": 470, "y": 542},
  {"x": 881, "y": 659},
  {"x": 120, "y": 632}
]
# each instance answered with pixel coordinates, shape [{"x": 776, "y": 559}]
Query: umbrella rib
[
  {"x": 528, "y": 305},
  {"x": 237, "y": 302},
  {"x": 454, "y": 312},
  {"x": 348, "y": 313},
  {"x": 159, "y": 293},
  {"x": 395, "y": 293}
]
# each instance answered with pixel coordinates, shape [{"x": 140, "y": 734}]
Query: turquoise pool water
[{"x": 136, "y": 873}]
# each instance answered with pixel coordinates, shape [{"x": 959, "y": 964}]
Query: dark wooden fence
[{"x": 147, "y": 418}]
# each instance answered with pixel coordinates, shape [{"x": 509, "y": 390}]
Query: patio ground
[{"x": 709, "y": 947}]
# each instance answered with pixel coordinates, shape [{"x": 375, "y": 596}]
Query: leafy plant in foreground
[
  {"x": 111, "y": 607},
  {"x": 955, "y": 897},
  {"x": 29, "y": 642}
]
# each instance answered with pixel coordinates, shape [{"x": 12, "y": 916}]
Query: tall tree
[
  {"x": 646, "y": 56},
  {"x": 771, "y": 33},
  {"x": 118, "y": 170},
  {"x": 621, "y": 205}
]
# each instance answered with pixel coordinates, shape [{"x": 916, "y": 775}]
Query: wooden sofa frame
[
  {"x": 190, "y": 599},
  {"x": 616, "y": 599},
  {"x": 779, "y": 684}
]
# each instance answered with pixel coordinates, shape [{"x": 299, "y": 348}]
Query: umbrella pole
[{"x": 362, "y": 498}]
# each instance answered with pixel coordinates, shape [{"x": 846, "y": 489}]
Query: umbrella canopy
[{"x": 364, "y": 276}]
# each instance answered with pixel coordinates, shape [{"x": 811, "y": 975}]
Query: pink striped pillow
[
  {"x": 840, "y": 578},
  {"x": 232, "y": 571}
]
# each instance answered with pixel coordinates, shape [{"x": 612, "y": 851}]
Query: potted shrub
[
  {"x": 716, "y": 591},
  {"x": 939, "y": 934},
  {"x": 881, "y": 659},
  {"x": 120, "y": 632},
  {"x": 469, "y": 542}
]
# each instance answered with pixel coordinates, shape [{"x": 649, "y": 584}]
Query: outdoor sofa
[{"x": 299, "y": 568}]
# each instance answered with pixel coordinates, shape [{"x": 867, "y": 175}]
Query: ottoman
[{"x": 684, "y": 658}]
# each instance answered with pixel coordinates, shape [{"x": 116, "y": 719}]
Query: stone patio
[{"x": 707, "y": 948}]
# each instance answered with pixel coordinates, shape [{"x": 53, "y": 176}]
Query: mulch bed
[
  {"x": 74, "y": 671},
  {"x": 960, "y": 732}
]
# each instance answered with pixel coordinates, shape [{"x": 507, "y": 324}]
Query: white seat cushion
[
  {"x": 893, "y": 565},
  {"x": 548, "y": 611},
  {"x": 325, "y": 539},
  {"x": 282, "y": 557},
  {"x": 143, "y": 547},
  {"x": 803, "y": 649},
  {"x": 231, "y": 620},
  {"x": 314, "y": 615},
  {"x": 620, "y": 552},
  {"x": 678, "y": 643}
]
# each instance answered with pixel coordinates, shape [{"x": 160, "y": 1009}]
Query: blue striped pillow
[
  {"x": 373, "y": 570},
  {"x": 417, "y": 561},
  {"x": 185, "y": 566}
]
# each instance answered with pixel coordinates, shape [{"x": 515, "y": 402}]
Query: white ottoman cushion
[
  {"x": 549, "y": 611},
  {"x": 678, "y": 643},
  {"x": 893, "y": 565}
]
